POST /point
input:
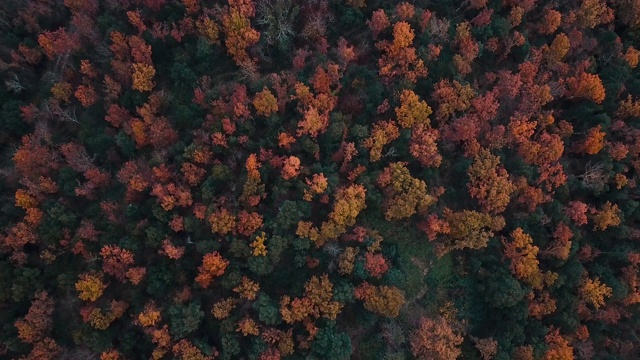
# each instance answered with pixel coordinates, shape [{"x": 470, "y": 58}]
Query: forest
[{"x": 320, "y": 179}]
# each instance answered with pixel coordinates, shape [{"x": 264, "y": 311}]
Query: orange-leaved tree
[
  {"x": 594, "y": 292},
  {"x": 37, "y": 323},
  {"x": 587, "y": 86},
  {"x": 434, "y": 339},
  {"x": 423, "y": 145},
  {"x": 524, "y": 262},
  {"x": 489, "y": 182},
  {"x": 382, "y": 300},
  {"x": 265, "y": 103},
  {"x": 412, "y": 110},
  {"x": 90, "y": 287},
  {"x": 405, "y": 195},
  {"x": 213, "y": 265},
  {"x": 399, "y": 57},
  {"x": 467, "y": 229},
  {"x": 383, "y": 133}
]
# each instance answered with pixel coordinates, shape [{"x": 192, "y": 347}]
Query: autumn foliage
[
  {"x": 282, "y": 179},
  {"x": 435, "y": 339},
  {"x": 213, "y": 265}
]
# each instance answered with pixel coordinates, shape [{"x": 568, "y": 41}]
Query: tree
[
  {"x": 383, "y": 133},
  {"x": 375, "y": 264},
  {"x": 237, "y": 28},
  {"x": 185, "y": 318},
  {"x": 349, "y": 202},
  {"x": 559, "y": 48},
  {"x": 313, "y": 123},
  {"x": 379, "y": 21},
  {"x": 558, "y": 347},
  {"x": 34, "y": 327},
  {"x": 90, "y": 287},
  {"x": 468, "y": 229},
  {"x": 150, "y": 316},
  {"x": 319, "y": 291},
  {"x": 47, "y": 349},
  {"x": 593, "y": 13},
  {"x": 489, "y": 183},
  {"x": 487, "y": 347},
  {"x": 550, "y": 22},
  {"x": 213, "y": 265},
  {"x": 588, "y": 86},
  {"x": 259, "y": 249},
  {"x": 593, "y": 143},
  {"x": 222, "y": 221},
  {"x": 423, "y": 146},
  {"x": 317, "y": 185},
  {"x": 248, "y": 289},
  {"x": 541, "y": 305},
  {"x": 184, "y": 349},
  {"x": 412, "y": 110},
  {"x": 630, "y": 13},
  {"x": 265, "y": 103},
  {"x": 435, "y": 339},
  {"x": 291, "y": 167},
  {"x": 384, "y": 300},
  {"x": 331, "y": 345},
  {"x": 405, "y": 195},
  {"x": 451, "y": 97},
  {"x": 116, "y": 261},
  {"x": 222, "y": 309},
  {"x": 346, "y": 260},
  {"x": 606, "y": 217},
  {"x": 317, "y": 302},
  {"x": 576, "y": 211},
  {"x": 468, "y": 48},
  {"x": 593, "y": 292},
  {"x": 143, "y": 77},
  {"x": 399, "y": 58},
  {"x": 86, "y": 95},
  {"x": 248, "y": 223},
  {"x": 58, "y": 42},
  {"x": 523, "y": 256},
  {"x": 560, "y": 247},
  {"x": 248, "y": 326}
]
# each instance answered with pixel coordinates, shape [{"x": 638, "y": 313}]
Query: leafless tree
[
  {"x": 594, "y": 176},
  {"x": 13, "y": 84}
]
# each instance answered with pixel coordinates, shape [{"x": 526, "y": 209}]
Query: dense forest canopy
[{"x": 319, "y": 179}]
